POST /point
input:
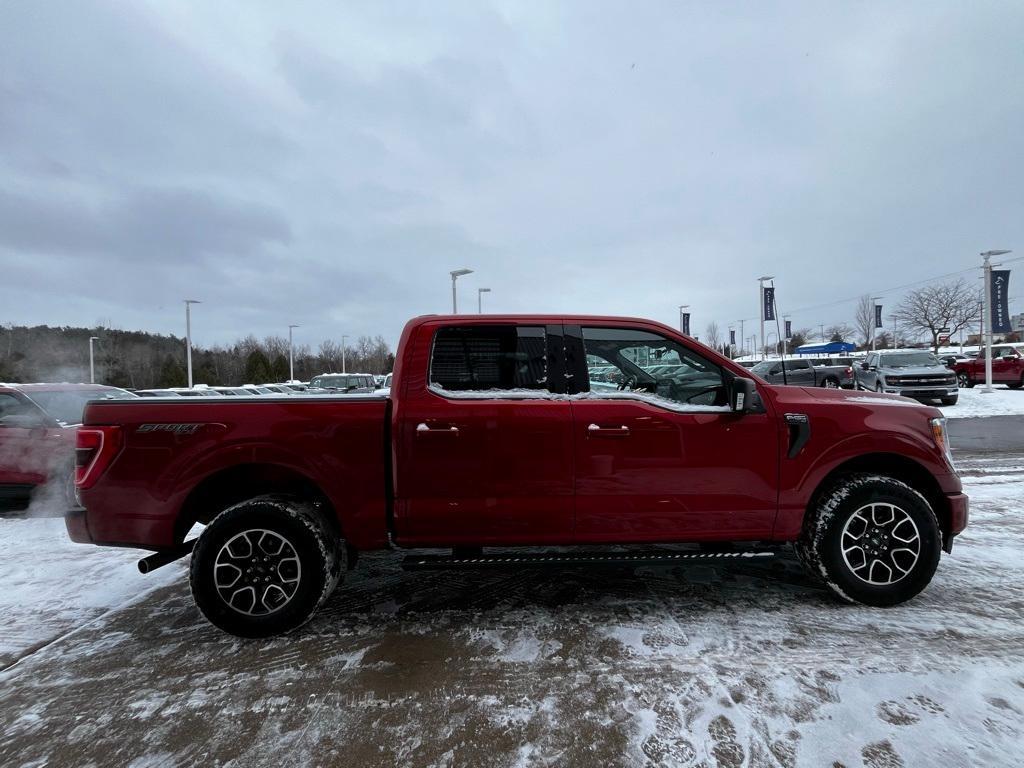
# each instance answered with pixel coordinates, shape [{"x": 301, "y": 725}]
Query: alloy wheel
[
  {"x": 257, "y": 572},
  {"x": 881, "y": 543}
]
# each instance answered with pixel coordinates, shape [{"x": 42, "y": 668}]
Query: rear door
[
  {"x": 799, "y": 373},
  {"x": 483, "y": 447},
  {"x": 665, "y": 460}
]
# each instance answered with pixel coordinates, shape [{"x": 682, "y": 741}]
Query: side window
[
  {"x": 626, "y": 360},
  {"x": 486, "y": 357},
  {"x": 13, "y": 406}
]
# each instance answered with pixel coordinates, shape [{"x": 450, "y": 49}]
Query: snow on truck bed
[{"x": 747, "y": 664}]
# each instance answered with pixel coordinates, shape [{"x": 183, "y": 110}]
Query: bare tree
[
  {"x": 864, "y": 318},
  {"x": 712, "y": 336},
  {"x": 953, "y": 305},
  {"x": 838, "y": 332}
]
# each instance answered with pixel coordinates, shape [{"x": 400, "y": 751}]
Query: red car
[
  {"x": 1007, "y": 367},
  {"x": 37, "y": 439},
  {"x": 494, "y": 436}
]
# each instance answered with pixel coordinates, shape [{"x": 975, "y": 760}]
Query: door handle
[
  {"x": 595, "y": 430},
  {"x": 423, "y": 429}
]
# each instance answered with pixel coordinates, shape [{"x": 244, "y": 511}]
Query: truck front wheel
[
  {"x": 871, "y": 539},
  {"x": 265, "y": 566},
  {"x": 964, "y": 381}
]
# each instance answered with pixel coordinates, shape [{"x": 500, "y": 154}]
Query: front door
[
  {"x": 484, "y": 449},
  {"x": 662, "y": 458}
]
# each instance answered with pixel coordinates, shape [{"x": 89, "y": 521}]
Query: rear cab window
[{"x": 495, "y": 360}]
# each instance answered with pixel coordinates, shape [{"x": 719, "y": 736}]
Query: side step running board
[{"x": 562, "y": 560}]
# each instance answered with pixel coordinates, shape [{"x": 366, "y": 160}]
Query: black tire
[
  {"x": 295, "y": 577},
  {"x": 838, "y": 517},
  {"x": 964, "y": 381},
  {"x": 949, "y": 400},
  {"x": 1018, "y": 384},
  {"x": 830, "y": 382}
]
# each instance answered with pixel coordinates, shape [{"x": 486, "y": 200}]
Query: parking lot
[{"x": 740, "y": 664}]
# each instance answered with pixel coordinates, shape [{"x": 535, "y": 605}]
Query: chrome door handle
[
  {"x": 423, "y": 429},
  {"x": 595, "y": 430}
]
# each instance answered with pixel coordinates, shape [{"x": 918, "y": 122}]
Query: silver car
[{"x": 914, "y": 373}]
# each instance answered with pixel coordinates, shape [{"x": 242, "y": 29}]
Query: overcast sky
[{"x": 328, "y": 165}]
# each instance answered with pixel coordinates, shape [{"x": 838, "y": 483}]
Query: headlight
[{"x": 941, "y": 439}]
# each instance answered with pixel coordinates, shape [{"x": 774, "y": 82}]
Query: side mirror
[
  {"x": 865, "y": 367},
  {"x": 741, "y": 395}
]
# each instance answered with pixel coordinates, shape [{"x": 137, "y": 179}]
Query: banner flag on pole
[
  {"x": 769, "y": 302},
  {"x": 789, "y": 329},
  {"x": 732, "y": 338},
  {"x": 686, "y": 323},
  {"x": 878, "y": 316},
  {"x": 1001, "y": 301}
]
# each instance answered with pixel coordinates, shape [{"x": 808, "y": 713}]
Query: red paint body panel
[
  {"x": 337, "y": 443},
  {"x": 510, "y": 470}
]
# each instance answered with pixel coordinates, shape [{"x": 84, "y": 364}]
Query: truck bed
[{"x": 182, "y": 459}]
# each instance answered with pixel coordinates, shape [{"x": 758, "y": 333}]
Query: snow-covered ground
[
  {"x": 975, "y": 402},
  {"x": 51, "y": 586},
  {"x": 732, "y": 665}
]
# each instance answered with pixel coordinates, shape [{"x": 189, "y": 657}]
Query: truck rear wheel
[
  {"x": 264, "y": 566},
  {"x": 830, "y": 382},
  {"x": 872, "y": 540},
  {"x": 1017, "y": 384},
  {"x": 964, "y": 381}
]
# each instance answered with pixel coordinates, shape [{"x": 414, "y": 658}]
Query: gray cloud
[{"x": 328, "y": 166}]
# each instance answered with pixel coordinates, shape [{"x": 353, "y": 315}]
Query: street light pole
[
  {"x": 456, "y": 274},
  {"x": 760, "y": 302},
  {"x": 343, "y": 354},
  {"x": 681, "y": 308},
  {"x": 291, "y": 353},
  {"x": 986, "y": 314},
  {"x": 480, "y": 299},
  {"x": 188, "y": 337},
  {"x": 92, "y": 366}
]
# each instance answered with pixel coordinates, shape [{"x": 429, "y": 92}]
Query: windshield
[
  {"x": 908, "y": 360},
  {"x": 68, "y": 406}
]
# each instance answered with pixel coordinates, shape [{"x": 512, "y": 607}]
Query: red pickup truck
[
  {"x": 1007, "y": 367},
  {"x": 495, "y": 435}
]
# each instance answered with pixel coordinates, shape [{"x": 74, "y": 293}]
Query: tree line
[{"x": 141, "y": 360}]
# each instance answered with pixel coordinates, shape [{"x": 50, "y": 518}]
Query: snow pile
[
  {"x": 975, "y": 402},
  {"x": 543, "y": 394}
]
